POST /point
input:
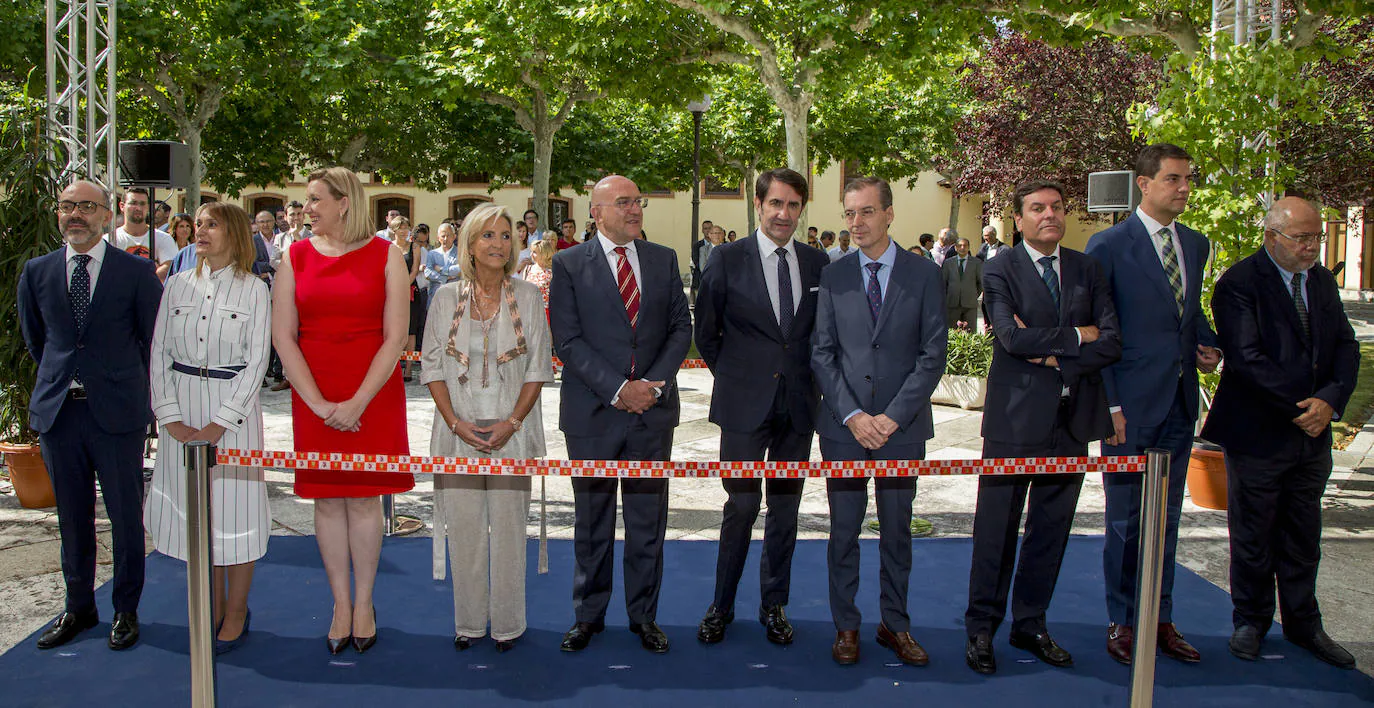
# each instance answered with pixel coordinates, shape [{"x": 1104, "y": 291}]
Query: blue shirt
[
  {"x": 185, "y": 260},
  {"x": 887, "y": 260},
  {"x": 1288, "y": 278},
  {"x": 442, "y": 266}
]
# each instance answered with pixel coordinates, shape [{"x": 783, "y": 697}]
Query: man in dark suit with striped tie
[
  {"x": 1291, "y": 366},
  {"x": 621, "y": 326},
  {"x": 87, "y": 311}
]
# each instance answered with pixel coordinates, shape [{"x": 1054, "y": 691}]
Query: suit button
[
  {"x": 81, "y": 346},
  {"x": 775, "y": 375},
  {"x": 868, "y": 378},
  {"x": 875, "y": 346}
]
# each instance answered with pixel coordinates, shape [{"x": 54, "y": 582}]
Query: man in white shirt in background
[
  {"x": 386, "y": 232},
  {"x": 845, "y": 248},
  {"x": 136, "y": 237}
]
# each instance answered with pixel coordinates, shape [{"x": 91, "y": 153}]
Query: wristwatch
[{"x": 515, "y": 423}]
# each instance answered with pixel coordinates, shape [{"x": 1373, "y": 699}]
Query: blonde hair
[
  {"x": 398, "y": 222},
  {"x": 473, "y": 226},
  {"x": 544, "y": 249},
  {"x": 343, "y": 184},
  {"x": 238, "y": 227}
]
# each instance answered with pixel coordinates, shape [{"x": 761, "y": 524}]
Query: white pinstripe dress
[{"x": 214, "y": 320}]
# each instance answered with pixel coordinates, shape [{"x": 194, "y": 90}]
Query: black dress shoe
[
  {"x": 1043, "y": 647},
  {"x": 124, "y": 630},
  {"x": 66, "y": 627},
  {"x": 462, "y": 643},
  {"x": 712, "y": 627},
  {"x": 978, "y": 654},
  {"x": 580, "y": 635},
  {"x": 504, "y": 645},
  {"x": 362, "y": 644},
  {"x": 1245, "y": 642},
  {"x": 1325, "y": 648},
  {"x": 651, "y": 637},
  {"x": 774, "y": 620}
]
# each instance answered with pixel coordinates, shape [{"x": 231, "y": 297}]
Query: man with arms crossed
[
  {"x": 877, "y": 352},
  {"x": 754, "y": 316}
]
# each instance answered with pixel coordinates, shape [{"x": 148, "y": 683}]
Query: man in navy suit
[
  {"x": 1055, "y": 329},
  {"x": 877, "y": 352},
  {"x": 754, "y": 316},
  {"x": 87, "y": 311},
  {"x": 1291, "y": 366},
  {"x": 621, "y": 326},
  {"x": 1154, "y": 265}
]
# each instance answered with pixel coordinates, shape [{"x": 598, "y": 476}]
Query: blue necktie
[
  {"x": 1051, "y": 278},
  {"x": 79, "y": 294},
  {"x": 785, "y": 313},
  {"x": 1303, "y": 318},
  {"x": 875, "y": 293}
]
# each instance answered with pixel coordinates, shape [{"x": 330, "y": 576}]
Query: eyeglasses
[
  {"x": 866, "y": 212},
  {"x": 66, "y": 207},
  {"x": 1304, "y": 239},
  {"x": 624, "y": 203}
]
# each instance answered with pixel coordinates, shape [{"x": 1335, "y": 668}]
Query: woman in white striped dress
[{"x": 210, "y": 350}]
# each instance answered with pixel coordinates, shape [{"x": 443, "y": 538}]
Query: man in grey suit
[
  {"x": 621, "y": 326},
  {"x": 963, "y": 276},
  {"x": 878, "y": 350}
]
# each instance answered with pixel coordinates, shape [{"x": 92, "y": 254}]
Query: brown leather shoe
[
  {"x": 1173, "y": 645},
  {"x": 846, "y": 648},
  {"x": 1120, "y": 641},
  {"x": 903, "y": 646}
]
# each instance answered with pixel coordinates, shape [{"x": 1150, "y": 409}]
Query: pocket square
[{"x": 816, "y": 289}]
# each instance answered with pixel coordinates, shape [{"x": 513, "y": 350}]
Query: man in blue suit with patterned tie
[
  {"x": 1154, "y": 265},
  {"x": 878, "y": 350},
  {"x": 87, "y": 311}
]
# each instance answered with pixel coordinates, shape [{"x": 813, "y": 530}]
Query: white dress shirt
[
  {"x": 1152, "y": 227},
  {"x": 1035, "y": 257},
  {"x": 768, "y": 254},
  {"x": 97, "y": 254},
  {"x": 613, "y": 260}
]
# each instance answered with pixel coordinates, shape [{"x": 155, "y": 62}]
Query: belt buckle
[{"x": 204, "y": 372}]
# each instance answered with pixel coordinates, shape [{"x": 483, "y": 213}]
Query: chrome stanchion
[
  {"x": 388, "y": 515},
  {"x": 200, "y": 457},
  {"x": 1154, "y": 513}
]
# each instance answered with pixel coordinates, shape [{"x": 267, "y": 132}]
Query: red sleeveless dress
[{"x": 340, "y": 301}]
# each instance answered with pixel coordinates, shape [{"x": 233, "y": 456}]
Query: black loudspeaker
[
  {"x": 154, "y": 163},
  {"x": 1113, "y": 191}
]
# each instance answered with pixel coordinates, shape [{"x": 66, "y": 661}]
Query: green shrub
[{"x": 970, "y": 354}]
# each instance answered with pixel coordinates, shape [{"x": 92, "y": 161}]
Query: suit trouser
[
  {"x": 645, "y": 509},
  {"x": 77, "y": 453},
  {"x": 955, "y": 315},
  {"x": 1123, "y": 490},
  {"x": 1274, "y": 516},
  {"x": 848, "y": 504},
  {"x": 1049, "y": 519},
  {"x": 486, "y": 518},
  {"x": 778, "y": 439}
]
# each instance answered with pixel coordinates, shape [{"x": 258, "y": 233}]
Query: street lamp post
[{"x": 697, "y": 108}]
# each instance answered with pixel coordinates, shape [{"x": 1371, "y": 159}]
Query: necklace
[{"x": 485, "y": 322}]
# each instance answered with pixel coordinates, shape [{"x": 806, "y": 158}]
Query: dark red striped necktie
[{"x": 629, "y": 288}]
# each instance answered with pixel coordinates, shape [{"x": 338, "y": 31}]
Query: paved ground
[{"x": 31, "y": 588}]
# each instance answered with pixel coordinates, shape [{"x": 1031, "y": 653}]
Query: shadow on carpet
[{"x": 284, "y": 662}]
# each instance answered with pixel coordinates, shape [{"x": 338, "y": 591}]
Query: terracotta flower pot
[
  {"x": 1207, "y": 477},
  {"x": 29, "y": 476}
]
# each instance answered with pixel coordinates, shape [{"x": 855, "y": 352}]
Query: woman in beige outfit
[{"x": 486, "y": 356}]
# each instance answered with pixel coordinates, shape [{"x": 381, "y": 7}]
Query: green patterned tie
[{"x": 1171, "y": 267}]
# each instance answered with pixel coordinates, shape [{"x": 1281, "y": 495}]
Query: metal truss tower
[
  {"x": 1248, "y": 22},
  {"x": 81, "y": 87}
]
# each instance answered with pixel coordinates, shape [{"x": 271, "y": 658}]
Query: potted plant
[
  {"x": 965, "y": 383},
  {"x": 1207, "y": 463},
  {"x": 29, "y": 179}
]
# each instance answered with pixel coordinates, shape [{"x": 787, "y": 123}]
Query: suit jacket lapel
[
  {"x": 1148, "y": 259},
  {"x": 604, "y": 282},
  {"x": 1021, "y": 261},
  {"x": 806, "y": 309},
  {"x": 104, "y": 285},
  {"x": 1272, "y": 282},
  {"x": 895, "y": 290},
  {"x": 758, "y": 283},
  {"x": 57, "y": 273}
]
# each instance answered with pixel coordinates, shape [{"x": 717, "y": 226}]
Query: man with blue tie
[
  {"x": 754, "y": 316},
  {"x": 1055, "y": 329},
  {"x": 878, "y": 351},
  {"x": 1292, "y": 366},
  {"x": 622, "y": 328},
  {"x": 1154, "y": 265},
  {"x": 87, "y": 311}
]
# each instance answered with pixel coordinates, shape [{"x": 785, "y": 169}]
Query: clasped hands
[
  {"x": 638, "y": 396},
  {"x": 483, "y": 438},
  {"x": 344, "y": 417},
  {"x": 185, "y": 433},
  {"x": 871, "y": 431}
]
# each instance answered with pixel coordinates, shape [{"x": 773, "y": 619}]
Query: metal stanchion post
[
  {"x": 1154, "y": 513},
  {"x": 388, "y": 515},
  {"x": 200, "y": 456}
]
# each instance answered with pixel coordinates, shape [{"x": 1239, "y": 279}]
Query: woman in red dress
[{"x": 340, "y": 315}]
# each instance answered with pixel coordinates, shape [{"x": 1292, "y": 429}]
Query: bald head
[
  {"x": 79, "y": 229},
  {"x": 616, "y": 208},
  {"x": 89, "y": 191},
  {"x": 1284, "y": 212},
  {"x": 1293, "y": 233}
]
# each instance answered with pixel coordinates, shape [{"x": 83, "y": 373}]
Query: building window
[
  {"x": 384, "y": 203},
  {"x": 470, "y": 178},
  {"x": 265, "y": 202},
  {"x": 559, "y": 209},
  {"x": 460, "y": 207},
  {"x": 713, "y": 187}
]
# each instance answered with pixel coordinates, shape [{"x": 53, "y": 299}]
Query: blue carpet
[{"x": 285, "y": 663}]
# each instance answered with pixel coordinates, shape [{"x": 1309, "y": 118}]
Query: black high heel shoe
[
  {"x": 337, "y": 645},
  {"x": 462, "y": 643},
  {"x": 362, "y": 644}
]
